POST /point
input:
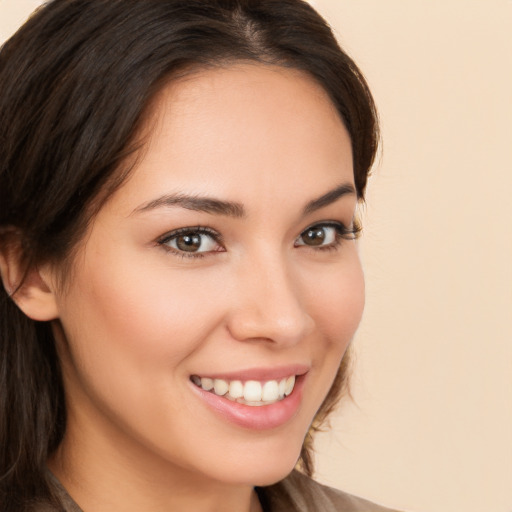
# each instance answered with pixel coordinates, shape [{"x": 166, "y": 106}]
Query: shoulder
[
  {"x": 61, "y": 501},
  {"x": 299, "y": 493}
]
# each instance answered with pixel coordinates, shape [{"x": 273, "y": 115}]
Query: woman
[{"x": 178, "y": 189}]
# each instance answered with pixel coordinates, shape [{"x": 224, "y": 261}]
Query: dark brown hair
[{"x": 75, "y": 82}]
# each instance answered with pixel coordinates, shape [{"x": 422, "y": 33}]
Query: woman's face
[{"x": 225, "y": 259}]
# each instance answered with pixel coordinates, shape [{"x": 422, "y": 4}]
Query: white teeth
[
  {"x": 252, "y": 393},
  {"x": 207, "y": 384},
  {"x": 282, "y": 387},
  {"x": 270, "y": 391},
  {"x": 220, "y": 387},
  {"x": 236, "y": 389},
  {"x": 290, "y": 382}
]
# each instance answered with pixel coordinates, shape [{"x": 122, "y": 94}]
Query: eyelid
[
  {"x": 349, "y": 233},
  {"x": 190, "y": 229},
  {"x": 202, "y": 230}
]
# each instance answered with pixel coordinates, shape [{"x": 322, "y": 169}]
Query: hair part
[{"x": 76, "y": 82}]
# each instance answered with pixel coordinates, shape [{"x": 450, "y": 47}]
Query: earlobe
[{"x": 28, "y": 288}]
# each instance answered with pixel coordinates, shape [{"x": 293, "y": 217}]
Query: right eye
[{"x": 192, "y": 241}]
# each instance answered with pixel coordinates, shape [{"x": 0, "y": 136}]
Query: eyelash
[
  {"x": 342, "y": 233},
  {"x": 201, "y": 230}
]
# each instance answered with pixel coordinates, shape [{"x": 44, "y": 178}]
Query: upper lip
[{"x": 259, "y": 374}]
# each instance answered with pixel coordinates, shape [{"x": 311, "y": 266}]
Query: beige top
[
  {"x": 299, "y": 493},
  {"x": 296, "y": 493}
]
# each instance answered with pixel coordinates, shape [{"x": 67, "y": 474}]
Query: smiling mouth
[{"x": 253, "y": 393}]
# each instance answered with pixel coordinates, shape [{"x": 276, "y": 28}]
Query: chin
[{"x": 263, "y": 463}]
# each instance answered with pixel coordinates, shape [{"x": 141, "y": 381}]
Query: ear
[{"x": 29, "y": 288}]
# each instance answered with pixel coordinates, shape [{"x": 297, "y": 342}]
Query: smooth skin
[{"x": 139, "y": 315}]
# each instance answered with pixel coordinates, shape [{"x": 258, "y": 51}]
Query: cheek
[
  {"x": 337, "y": 308},
  {"x": 150, "y": 312},
  {"x": 338, "y": 302},
  {"x": 132, "y": 333}
]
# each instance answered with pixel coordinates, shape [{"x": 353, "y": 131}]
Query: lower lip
[{"x": 261, "y": 417}]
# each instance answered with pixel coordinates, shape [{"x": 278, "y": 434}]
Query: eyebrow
[
  {"x": 197, "y": 203},
  {"x": 233, "y": 209},
  {"x": 329, "y": 198}
]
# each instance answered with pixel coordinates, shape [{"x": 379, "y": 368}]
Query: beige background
[{"x": 432, "y": 428}]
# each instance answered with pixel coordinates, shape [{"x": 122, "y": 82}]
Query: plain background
[{"x": 431, "y": 426}]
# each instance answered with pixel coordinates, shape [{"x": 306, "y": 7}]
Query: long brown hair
[{"x": 75, "y": 82}]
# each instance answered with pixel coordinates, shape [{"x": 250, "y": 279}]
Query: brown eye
[
  {"x": 192, "y": 241},
  {"x": 316, "y": 236},
  {"x": 189, "y": 242}
]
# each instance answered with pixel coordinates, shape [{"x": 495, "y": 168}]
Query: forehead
[{"x": 248, "y": 127}]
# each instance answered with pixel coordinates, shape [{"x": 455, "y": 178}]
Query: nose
[{"x": 268, "y": 304}]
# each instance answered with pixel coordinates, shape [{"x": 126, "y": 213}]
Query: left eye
[
  {"x": 320, "y": 235},
  {"x": 191, "y": 242}
]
